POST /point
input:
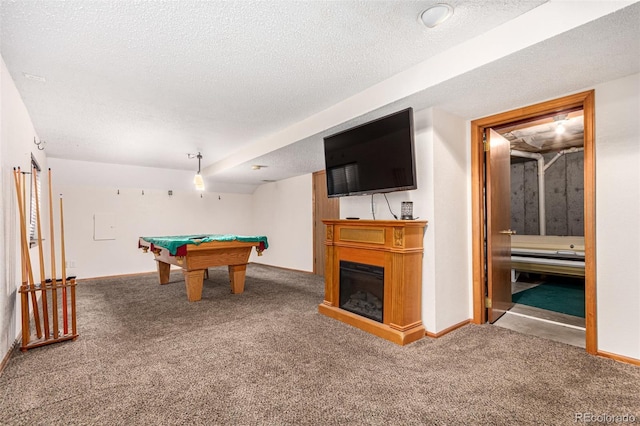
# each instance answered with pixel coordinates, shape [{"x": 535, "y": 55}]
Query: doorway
[
  {"x": 547, "y": 221},
  {"x": 491, "y": 230}
]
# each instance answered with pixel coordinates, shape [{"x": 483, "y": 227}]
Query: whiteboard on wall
[{"x": 104, "y": 226}]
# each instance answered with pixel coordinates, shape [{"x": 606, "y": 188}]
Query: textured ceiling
[{"x": 145, "y": 83}]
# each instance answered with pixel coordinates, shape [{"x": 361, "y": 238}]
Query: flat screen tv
[{"x": 374, "y": 157}]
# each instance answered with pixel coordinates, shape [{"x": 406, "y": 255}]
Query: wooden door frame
[{"x": 586, "y": 101}]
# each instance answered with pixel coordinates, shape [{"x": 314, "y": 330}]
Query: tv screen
[{"x": 377, "y": 156}]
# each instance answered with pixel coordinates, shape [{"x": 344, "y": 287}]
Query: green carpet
[{"x": 564, "y": 297}]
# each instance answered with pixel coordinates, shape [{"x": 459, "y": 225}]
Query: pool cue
[
  {"x": 72, "y": 289},
  {"x": 74, "y": 326},
  {"x": 32, "y": 285},
  {"x": 18, "y": 179},
  {"x": 23, "y": 203},
  {"x": 54, "y": 281},
  {"x": 24, "y": 195},
  {"x": 65, "y": 320},
  {"x": 43, "y": 280},
  {"x": 27, "y": 259},
  {"x": 24, "y": 298}
]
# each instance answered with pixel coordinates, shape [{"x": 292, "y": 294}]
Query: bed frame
[{"x": 548, "y": 254}]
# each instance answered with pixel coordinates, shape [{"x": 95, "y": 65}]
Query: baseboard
[
  {"x": 448, "y": 330},
  {"x": 9, "y": 353},
  {"x": 620, "y": 358},
  {"x": 283, "y": 268},
  {"x": 134, "y": 274},
  {"x": 177, "y": 268}
]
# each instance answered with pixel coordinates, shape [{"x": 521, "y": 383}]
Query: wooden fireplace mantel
[{"x": 395, "y": 245}]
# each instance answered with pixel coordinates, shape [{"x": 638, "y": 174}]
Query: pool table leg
[
  {"x": 236, "y": 276},
  {"x": 193, "y": 281},
  {"x": 164, "y": 270}
]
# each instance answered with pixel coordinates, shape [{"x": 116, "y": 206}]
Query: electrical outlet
[{"x": 71, "y": 263}]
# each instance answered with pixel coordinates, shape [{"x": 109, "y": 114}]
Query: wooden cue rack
[{"x": 57, "y": 296}]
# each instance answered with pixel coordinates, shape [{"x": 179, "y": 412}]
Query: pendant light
[{"x": 197, "y": 179}]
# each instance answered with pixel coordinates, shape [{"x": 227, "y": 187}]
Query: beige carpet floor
[{"x": 266, "y": 357}]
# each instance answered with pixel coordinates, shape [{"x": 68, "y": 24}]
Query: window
[{"x": 34, "y": 189}]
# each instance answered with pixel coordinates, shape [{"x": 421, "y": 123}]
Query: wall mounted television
[{"x": 374, "y": 157}]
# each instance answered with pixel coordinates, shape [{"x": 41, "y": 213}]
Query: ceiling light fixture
[
  {"x": 435, "y": 15},
  {"x": 197, "y": 179},
  {"x": 257, "y": 167},
  {"x": 560, "y": 120}
]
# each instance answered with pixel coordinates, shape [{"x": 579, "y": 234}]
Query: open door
[{"x": 498, "y": 213}]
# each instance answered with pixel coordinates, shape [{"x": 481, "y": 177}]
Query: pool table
[{"x": 196, "y": 253}]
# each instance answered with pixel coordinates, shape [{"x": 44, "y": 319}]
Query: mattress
[{"x": 548, "y": 254}]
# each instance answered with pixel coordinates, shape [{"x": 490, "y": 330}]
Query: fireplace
[
  {"x": 362, "y": 289},
  {"x": 373, "y": 276}
]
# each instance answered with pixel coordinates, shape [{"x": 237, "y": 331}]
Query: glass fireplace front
[{"x": 362, "y": 289}]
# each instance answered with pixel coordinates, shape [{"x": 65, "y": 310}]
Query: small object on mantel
[
  {"x": 406, "y": 209},
  {"x": 353, "y": 218}
]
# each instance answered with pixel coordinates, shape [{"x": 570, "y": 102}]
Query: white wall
[
  {"x": 16, "y": 146},
  {"x": 442, "y": 198},
  {"x": 618, "y": 215},
  {"x": 142, "y": 207},
  {"x": 425, "y": 153},
  {"x": 283, "y": 211},
  {"x": 451, "y": 225}
]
